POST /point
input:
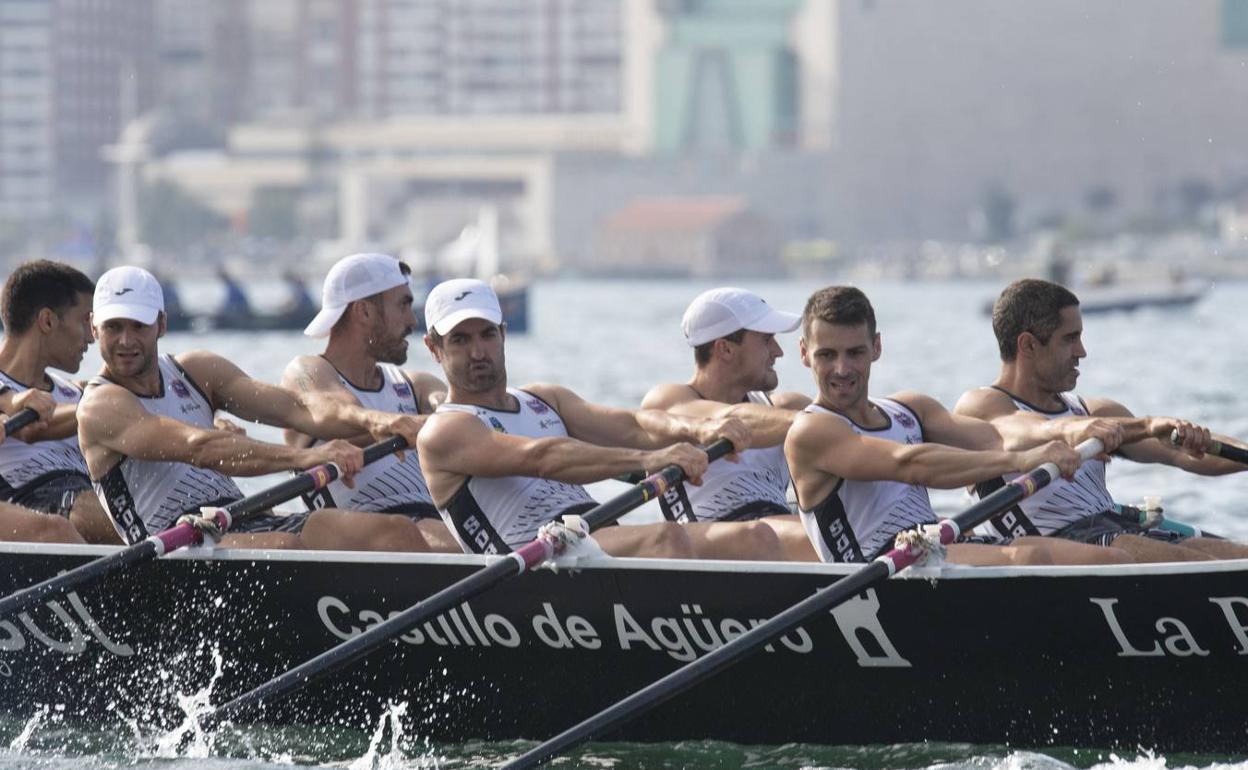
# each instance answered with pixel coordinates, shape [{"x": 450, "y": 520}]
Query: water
[{"x": 610, "y": 342}]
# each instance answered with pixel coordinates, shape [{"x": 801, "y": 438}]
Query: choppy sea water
[{"x": 610, "y": 342}]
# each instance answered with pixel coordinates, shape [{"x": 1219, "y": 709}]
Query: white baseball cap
[
  {"x": 353, "y": 278},
  {"x": 127, "y": 292},
  {"x": 454, "y": 301},
  {"x": 720, "y": 312}
]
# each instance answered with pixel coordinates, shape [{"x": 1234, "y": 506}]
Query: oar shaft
[
  {"x": 1219, "y": 449},
  {"x": 520, "y": 560},
  {"x": 750, "y": 642},
  {"x": 20, "y": 420},
  {"x": 67, "y": 581}
]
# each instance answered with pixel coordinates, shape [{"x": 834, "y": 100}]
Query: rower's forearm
[
  {"x": 64, "y": 424},
  {"x": 768, "y": 425},
  {"x": 659, "y": 429},
  {"x": 576, "y": 462},
  {"x": 327, "y": 418},
  {"x": 236, "y": 455},
  {"x": 944, "y": 467}
]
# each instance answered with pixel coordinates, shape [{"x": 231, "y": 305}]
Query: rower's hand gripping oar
[
  {"x": 20, "y": 420},
  {"x": 879, "y": 570},
  {"x": 517, "y": 562},
  {"x": 185, "y": 534},
  {"x": 1218, "y": 448}
]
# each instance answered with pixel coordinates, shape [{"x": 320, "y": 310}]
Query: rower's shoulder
[
  {"x": 309, "y": 372},
  {"x": 985, "y": 403},
  {"x": 789, "y": 400},
  {"x": 668, "y": 394},
  {"x": 103, "y": 404}
]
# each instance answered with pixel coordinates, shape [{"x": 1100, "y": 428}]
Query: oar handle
[
  {"x": 20, "y": 420},
  {"x": 879, "y": 570},
  {"x": 516, "y": 563},
  {"x": 1218, "y": 448},
  {"x": 181, "y": 535}
]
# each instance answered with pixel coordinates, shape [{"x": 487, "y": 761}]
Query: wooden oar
[
  {"x": 181, "y": 535},
  {"x": 515, "y": 563},
  {"x": 879, "y": 570}
]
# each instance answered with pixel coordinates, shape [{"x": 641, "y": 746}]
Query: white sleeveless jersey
[
  {"x": 26, "y": 465},
  {"x": 387, "y": 483},
  {"x": 1057, "y": 505},
  {"x": 754, "y": 487},
  {"x": 496, "y": 515},
  {"x": 860, "y": 519},
  {"x": 146, "y": 496}
]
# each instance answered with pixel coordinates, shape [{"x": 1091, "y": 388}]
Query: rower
[
  {"x": 1039, "y": 332},
  {"x": 502, "y": 462},
  {"x": 366, "y": 313},
  {"x": 45, "y": 306},
  {"x": 861, "y": 465},
  {"x": 733, "y": 336},
  {"x": 146, "y": 426}
]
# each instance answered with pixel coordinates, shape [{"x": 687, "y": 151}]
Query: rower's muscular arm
[
  {"x": 56, "y": 421},
  {"x": 309, "y": 413},
  {"x": 1149, "y": 441},
  {"x": 456, "y": 445},
  {"x": 642, "y": 429},
  {"x": 767, "y": 425},
  {"x": 312, "y": 374},
  {"x": 829, "y": 445},
  {"x": 430, "y": 391},
  {"x": 1022, "y": 430},
  {"x": 112, "y": 422}
]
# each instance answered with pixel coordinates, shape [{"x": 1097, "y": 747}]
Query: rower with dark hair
[
  {"x": 45, "y": 307},
  {"x": 366, "y": 313},
  {"x": 503, "y": 462},
  {"x": 1039, "y": 332},
  {"x": 146, "y": 427},
  {"x": 733, "y": 336},
  {"x": 861, "y": 466}
]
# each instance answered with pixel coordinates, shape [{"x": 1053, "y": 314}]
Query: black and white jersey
[
  {"x": 756, "y": 486},
  {"x": 1057, "y": 505},
  {"x": 860, "y": 519},
  {"x": 147, "y": 496},
  {"x": 25, "y": 466},
  {"x": 496, "y": 515},
  {"x": 387, "y": 483}
]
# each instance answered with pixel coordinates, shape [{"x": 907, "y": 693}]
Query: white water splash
[
  {"x": 393, "y": 758},
  {"x": 171, "y": 744},
  {"x": 1147, "y": 760},
  {"x": 22, "y": 740}
]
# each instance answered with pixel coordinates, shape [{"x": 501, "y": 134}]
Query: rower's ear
[
  {"x": 1027, "y": 343},
  {"x": 46, "y": 319}
]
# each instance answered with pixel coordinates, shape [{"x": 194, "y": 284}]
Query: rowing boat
[{"x": 1126, "y": 656}]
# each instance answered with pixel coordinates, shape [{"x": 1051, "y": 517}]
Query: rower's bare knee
[
  {"x": 1144, "y": 549},
  {"x": 743, "y": 540},
  {"x": 336, "y": 530},
  {"x": 19, "y": 524},
  {"x": 668, "y": 540},
  {"x": 1060, "y": 551}
]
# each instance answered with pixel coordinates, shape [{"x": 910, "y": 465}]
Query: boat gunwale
[{"x": 944, "y": 572}]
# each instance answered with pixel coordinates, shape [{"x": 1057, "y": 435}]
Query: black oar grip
[
  {"x": 379, "y": 450},
  {"x": 1225, "y": 451},
  {"x": 20, "y": 420},
  {"x": 718, "y": 449}
]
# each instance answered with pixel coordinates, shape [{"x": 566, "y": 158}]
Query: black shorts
[
  {"x": 752, "y": 511},
  {"x": 53, "y": 493},
  {"x": 1104, "y": 528},
  {"x": 260, "y": 521},
  {"x": 414, "y": 511}
]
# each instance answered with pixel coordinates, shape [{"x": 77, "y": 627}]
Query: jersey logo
[
  {"x": 496, "y": 425},
  {"x": 65, "y": 391},
  {"x": 537, "y": 405},
  {"x": 179, "y": 388},
  {"x": 906, "y": 420},
  {"x": 402, "y": 390}
]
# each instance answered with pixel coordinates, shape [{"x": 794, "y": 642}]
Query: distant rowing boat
[
  {"x": 1127, "y": 298},
  {"x": 1112, "y": 657}
]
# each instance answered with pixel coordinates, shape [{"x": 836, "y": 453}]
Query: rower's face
[
  {"x": 757, "y": 354},
  {"x": 471, "y": 355},
  {"x": 128, "y": 347},
  {"x": 71, "y": 335},
  {"x": 393, "y": 323},
  {"x": 840, "y": 357},
  {"x": 1057, "y": 362}
]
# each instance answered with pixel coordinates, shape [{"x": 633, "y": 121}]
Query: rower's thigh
[
  {"x": 980, "y": 555},
  {"x": 336, "y": 530},
  {"x": 438, "y": 537},
  {"x": 793, "y": 537},
  {"x": 1062, "y": 551},
  {"x": 742, "y": 540},
  {"x": 26, "y": 526},
  {"x": 1145, "y": 549},
  {"x": 92, "y": 522},
  {"x": 666, "y": 540},
  {"x": 1218, "y": 549}
]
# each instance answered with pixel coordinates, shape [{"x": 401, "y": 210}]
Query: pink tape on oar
[
  {"x": 533, "y": 553},
  {"x": 899, "y": 558},
  {"x": 323, "y": 475},
  {"x": 654, "y": 486},
  {"x": 184, "y": 534}
]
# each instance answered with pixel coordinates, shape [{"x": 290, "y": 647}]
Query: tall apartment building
[{"x": 70, "y": 73}]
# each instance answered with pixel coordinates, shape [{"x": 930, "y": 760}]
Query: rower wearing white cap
[
  {"x": 146, "y": 430},
  {"x": 733, "y": 336},
  {"x": 501, "y": 462},
  {"x": 366, "y": 317}
]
